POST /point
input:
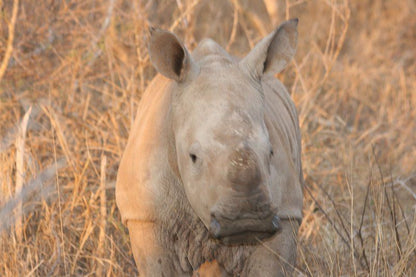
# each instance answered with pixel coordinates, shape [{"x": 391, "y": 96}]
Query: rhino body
[{"x": 210, "y": 183}]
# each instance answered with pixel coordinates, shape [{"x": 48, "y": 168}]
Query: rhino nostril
[
  {"x": 193, "y": 157},
  {"x": 276, "y": 223},
  {"x": 215, "y": 227}
]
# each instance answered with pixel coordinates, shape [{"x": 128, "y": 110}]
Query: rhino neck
[{"x": 190, "y": 244}]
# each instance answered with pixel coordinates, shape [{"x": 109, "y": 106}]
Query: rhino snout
[
  {"x": 243, "y": 170},
  {"x": 247, "y": 230}
]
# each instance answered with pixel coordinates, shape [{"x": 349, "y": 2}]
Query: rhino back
[{"x": 144, "y": 159}]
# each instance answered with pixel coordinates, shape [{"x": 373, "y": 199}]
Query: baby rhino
[{"x": 210, "y": 183}]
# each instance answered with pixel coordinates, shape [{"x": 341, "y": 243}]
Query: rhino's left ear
[
  {"x": 272, "y": 54},
  {"x": 169, "y": 56}
]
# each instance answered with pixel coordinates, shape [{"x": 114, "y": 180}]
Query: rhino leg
[
  {"x": 277, "y": 256},
  {"x": 151, "y": 258}
]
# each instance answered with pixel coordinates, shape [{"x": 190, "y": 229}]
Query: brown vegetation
[{"x": 71, "y": 76}]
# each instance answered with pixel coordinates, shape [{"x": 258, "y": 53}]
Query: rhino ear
[
  {"x": 272, "y": 54},
  {"x": 169, "y": 56}
]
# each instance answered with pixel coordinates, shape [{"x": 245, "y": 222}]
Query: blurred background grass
[{"x": 71, "y": 77}]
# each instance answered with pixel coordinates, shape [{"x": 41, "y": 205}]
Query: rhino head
[{"x": 220, "y": 150}]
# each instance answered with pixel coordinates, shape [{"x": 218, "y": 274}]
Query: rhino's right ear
[{"x": 169, "y": 56}]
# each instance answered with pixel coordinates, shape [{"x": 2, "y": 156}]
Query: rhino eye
[
  {"x": 271, "y": 153},
  {"x": 193, "y": 157}
]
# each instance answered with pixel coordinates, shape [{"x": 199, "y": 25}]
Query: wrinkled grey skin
[{"x": 210, "y": 183}]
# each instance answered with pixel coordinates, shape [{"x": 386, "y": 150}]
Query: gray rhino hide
[{"x": 168, "y": 222}]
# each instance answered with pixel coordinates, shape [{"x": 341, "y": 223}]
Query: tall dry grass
[{"x": 71, "y": 77}]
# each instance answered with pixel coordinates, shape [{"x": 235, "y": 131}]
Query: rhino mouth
[{"x": 245, "y": 230}]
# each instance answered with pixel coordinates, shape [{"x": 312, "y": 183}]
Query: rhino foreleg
[
  {"x": 277, "y": 256},
  {"x": 151, "y": 258}
]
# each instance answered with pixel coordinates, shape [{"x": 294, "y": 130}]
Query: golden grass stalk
[
  {"x": 103, "y": 214},
  {"x": 9, "y": 48},
  {"x": 20, "y": 171}
]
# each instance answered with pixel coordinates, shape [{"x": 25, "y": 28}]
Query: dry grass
[{"x": 78, "y": 68}]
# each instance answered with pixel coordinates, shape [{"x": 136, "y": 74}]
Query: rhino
[{"x": 210, "y": 182}]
